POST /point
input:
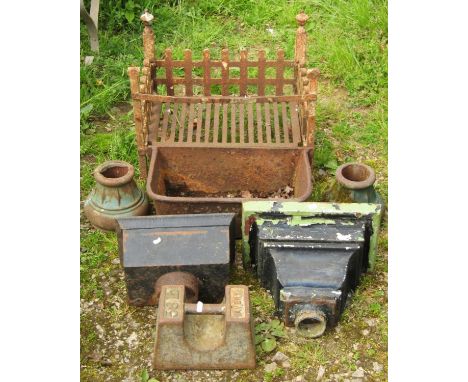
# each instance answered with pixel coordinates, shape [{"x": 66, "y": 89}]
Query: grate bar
[
  {"x": 167, "y": 111},
  {"x": 250, "y": 125},
  {"x": 241, "y": 123},
  {"x": 207, "y": 122},
  {"x": 182, "y": 122},
  {"x": 216, "y": 124},
  {"x": 225, "y": 123},
  {"x": 173, "y": 123},
  {"x": 295, "y": 122},
  {"x": 267, "y": 122},
  {"x": 189, "y": 123},
  {"x": 277, "y": 125},
  {"x": 199, "y": 122},
  {"x": 258, "y": 106},
  {"x": 284, "y": 115},
  {"x": 233, "y": 123}
]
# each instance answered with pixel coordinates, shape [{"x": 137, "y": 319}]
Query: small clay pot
[
  {"x": 357, "y": 180},
  {"x": 116, "y": 195}
]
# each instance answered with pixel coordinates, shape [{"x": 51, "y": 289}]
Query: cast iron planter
[{"x": 116, "y": 195}]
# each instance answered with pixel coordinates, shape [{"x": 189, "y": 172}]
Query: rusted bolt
[{"x": 310, "y": 323}]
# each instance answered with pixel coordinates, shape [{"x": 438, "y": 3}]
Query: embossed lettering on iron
[
  {"x": 172, "y": 303},
  {"x": 237, "y": 302}
]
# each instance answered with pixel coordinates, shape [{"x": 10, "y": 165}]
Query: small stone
[
  {"x": 119, "y": 343},
  {"x": 371, "y": 322},
  {"x": 96, "y": 357},
  {"x": 88, "y": 60},
  {"x": 246, "y": 194},
  {"x": 270, "y": 367},
  {"x": 359, "y": 373},
  {"x": 106, "y": 362},
  {"x": 377, "y": 367},
  {"x": 280, "y": 357},
  {"x": 355, "y": 346},
  {"x": 132, "y": 339},
  {"x": 321, "y": 372},
  {"x": 365, "y": 332},
  {"x": 322, "y": 172},
  {"x": 100, "y": 330},
  {"x": 286, "y": 364},
  {"x": 299, "y": 378}
]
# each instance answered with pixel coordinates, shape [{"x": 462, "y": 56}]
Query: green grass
[{"x": 348, "y": 43}]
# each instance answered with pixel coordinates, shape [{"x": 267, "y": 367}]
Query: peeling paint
[
  {"x": 276, "y": 212},
  {"x": 339, "y": 236}
]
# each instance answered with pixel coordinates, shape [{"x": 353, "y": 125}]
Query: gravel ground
[{"x": 117, "y": 340}]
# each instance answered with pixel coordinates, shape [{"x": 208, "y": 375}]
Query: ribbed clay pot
[{"x": 116, "y": 195}]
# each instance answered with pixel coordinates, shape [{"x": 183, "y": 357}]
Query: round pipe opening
[
  {"x": 311, "y": 324},
  {"x": 355, "y": 176},
  {"x": 114, "y": 172},
  {"x": 355, "y": 173}
]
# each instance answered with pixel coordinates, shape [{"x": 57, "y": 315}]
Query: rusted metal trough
[{"x": 218, "y": 136}]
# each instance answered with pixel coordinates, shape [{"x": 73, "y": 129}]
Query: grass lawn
[{"x": 348, "y": 43}]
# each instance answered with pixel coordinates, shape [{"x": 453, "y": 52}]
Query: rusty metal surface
[
  {"x": 197, "y": 180},
  {"x": 189, "y": 281},
  {"x": 204, "y": 336},
  {"x": 115, "y": 195},
  {"x": 193, "y": 124},
  {"x": 171, "y": 110}
]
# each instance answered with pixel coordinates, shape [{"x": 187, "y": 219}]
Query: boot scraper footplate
[{"x": 204, "y": 336}]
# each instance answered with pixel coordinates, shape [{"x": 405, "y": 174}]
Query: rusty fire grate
[
  {"x": 237, "y": 101},
  {"x": 235, "y": 124}
]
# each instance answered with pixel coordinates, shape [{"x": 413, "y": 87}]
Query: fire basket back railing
[{"x": 217, "y": 103}]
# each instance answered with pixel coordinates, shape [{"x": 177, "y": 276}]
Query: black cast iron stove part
[
  {"x": 310, "y": 269},
  {"x": 191, "y": 250}
]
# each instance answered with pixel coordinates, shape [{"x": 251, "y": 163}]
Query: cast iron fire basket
[{"x": 218, "y": 136}]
